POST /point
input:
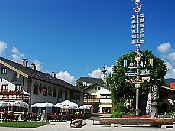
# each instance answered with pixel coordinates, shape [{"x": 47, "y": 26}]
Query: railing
[
  {"x": 95, "y": 100},
  {"x": 13, "y": 97}
]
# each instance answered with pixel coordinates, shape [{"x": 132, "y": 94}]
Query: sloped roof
[
  {"x": 35, "y": 74},
  {"x": 168, "y": 81},
  {"x": 91, "y": 80}
]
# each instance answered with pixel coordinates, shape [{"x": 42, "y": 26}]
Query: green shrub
[
  {"x": 23, "y": 124},
  {"x": 117, "y": 114},
  {"x": 119, "y": 111}
]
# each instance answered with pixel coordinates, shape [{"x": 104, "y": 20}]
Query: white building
[
  {"x": 38, "y": 86},
  {"x": 96, "y": 95}
]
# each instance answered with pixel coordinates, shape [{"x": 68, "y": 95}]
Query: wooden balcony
[
  {"x": 13, "y": 97},
  {"x": 94, "y": 100}
]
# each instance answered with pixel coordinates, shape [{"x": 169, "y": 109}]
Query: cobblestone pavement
[{"x": 65, "y": 126}]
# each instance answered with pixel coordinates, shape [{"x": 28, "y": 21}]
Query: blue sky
[{"x": 76, "y": 37}]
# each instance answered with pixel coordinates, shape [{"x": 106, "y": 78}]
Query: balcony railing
[
  {"x": 13, "y": 97},
  {"x": 95, "y": 100}
]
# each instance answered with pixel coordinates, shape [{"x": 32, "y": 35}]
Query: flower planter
[{"x": 137, "y": 121}]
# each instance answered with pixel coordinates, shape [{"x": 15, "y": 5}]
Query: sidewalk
[{"x": 65, "y": 126}]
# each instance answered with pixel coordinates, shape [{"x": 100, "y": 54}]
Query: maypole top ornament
[{"x": 138, "y": 6}]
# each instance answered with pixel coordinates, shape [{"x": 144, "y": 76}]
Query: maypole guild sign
[{"x": 137, "y": 25}]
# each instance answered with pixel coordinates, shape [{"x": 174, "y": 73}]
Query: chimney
[
  {"x": 33, "y": 66},
  {"x": 54, "y": 74},
  {"x": 25, "y": 61}
]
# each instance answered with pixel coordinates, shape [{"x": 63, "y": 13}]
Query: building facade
[
  {"x": 34, "y": 86},
  {"x": 96, "y": 94}
]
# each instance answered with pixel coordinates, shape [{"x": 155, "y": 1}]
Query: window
[
  {"x": 4, "y": 87},
  {"x": 77, "y": 97},
  {"x": 54, "y": 92},
  {"x": 50, "y": 91},
  {"x": 44, "y": 91},
  {"x": 84, "y": 83},
  {"x": 60, "y": 94},
  {"x": 72, "y": 95},
  {"x": 18, "y": 87},
  {"x": 35, "y": 90},
  {"x": 97, "y": 88},
  {"x": 3, "y": 70},
  {"x": 40, "y": 88},
  {"x": 105, "y": 96},
  {"x": 65, "y": 95}
]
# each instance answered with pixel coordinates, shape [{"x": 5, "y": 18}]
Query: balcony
[
  {"x": 13, "y": 97},
  {"x": 94, "y": 100},
  {"x": 105, "y": 101}
]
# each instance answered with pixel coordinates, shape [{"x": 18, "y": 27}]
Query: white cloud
[
  {"x": 162, "y": 48},
  {"x": 171, "y": 56},
  {"x": 166, "y": 52},
  {"x": 3, "y": 46},
  {"x": 16, "y": 55},
  {"x": 38, "y": 65},
  {"x": 66, "y": 77},
  {"x": 169, "y": 65},
  {"x": 98, "y": 72},
  {"x": 170, "y": 71}
]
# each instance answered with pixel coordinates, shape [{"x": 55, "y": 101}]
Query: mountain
[{"x": 170, "y": 80}]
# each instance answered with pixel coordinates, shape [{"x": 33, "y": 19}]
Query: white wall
[
  {"x": 27, "y": 84},
  {"x": 105, "y": 100},
  {"x": 5, "y": 82}
]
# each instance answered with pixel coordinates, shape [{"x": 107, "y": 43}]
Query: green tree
[
  {"x": 122, "y": 90},
  {"x": 79, "y": 84}
]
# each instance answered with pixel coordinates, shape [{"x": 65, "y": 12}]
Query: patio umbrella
[
  {"x": 20, "y": 104},
  {"x": 59, "y": 105},
  {"x": 3, "y": 103},
  {"x": 67, "y": 105},
  {"x": 46, "y": 105},
  {"x": 85, "y": 107},
  {"x": 43, "y": 105}
]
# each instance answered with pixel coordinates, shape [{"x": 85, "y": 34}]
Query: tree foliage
[
  {"x": 79, "y": 84},
  {"x": 122, "y": 90}
]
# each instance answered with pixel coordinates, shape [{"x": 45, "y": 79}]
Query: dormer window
[
  {"x": 97, "y": 88},
  {"x": 3, "y": 70}
]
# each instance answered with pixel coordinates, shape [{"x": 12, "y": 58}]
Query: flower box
[{"x": 11, "y": 92}]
